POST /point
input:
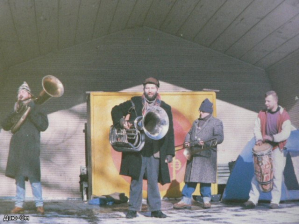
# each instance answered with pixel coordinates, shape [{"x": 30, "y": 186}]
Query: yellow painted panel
[{"x": 105, "y": 161}]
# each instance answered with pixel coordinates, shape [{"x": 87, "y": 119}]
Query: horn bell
[
  {"x": 155, "y": 122},
  {"x": 52, "y": 87}
]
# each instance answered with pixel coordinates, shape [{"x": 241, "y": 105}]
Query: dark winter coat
[
  {"x": 202, "y": 168},
  {"x": 131, "y": 161},
  {"x": 24, "y": 149}
]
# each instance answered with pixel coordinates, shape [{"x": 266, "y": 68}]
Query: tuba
[
  {"x": 52, "y": 87},
  {"x": 154, "y": 124}
]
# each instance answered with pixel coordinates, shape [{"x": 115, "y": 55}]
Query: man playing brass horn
[
  {"x": 205, "y": 134},
  {"x": 24, "y": 151},
  {"x": 273, "y": 126},
  {"x": 151, "y": 162}
]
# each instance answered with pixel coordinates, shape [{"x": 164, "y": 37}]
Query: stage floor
[{"x": 77, "y": 211}]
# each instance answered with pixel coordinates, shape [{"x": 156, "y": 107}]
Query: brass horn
[
  {"x": 154, "y": 123},
  {"x": 52, "y": 87}
]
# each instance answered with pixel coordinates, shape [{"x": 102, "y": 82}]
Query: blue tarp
[{"x": 239, "y": 182}]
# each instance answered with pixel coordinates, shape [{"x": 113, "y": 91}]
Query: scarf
[{"x": 202, "y": 121}]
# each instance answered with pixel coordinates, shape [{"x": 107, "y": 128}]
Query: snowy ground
[{"x": 76, "y": 211}]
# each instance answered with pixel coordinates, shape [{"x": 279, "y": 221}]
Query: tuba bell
[
  {"x": 154, "y": 124},
  {"x": 52, "y": 87}
]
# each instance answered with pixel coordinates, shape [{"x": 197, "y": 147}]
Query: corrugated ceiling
[{"x": 259, "y": 32}]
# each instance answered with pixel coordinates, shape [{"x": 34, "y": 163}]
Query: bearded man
[{"x": 151, "y": 162}]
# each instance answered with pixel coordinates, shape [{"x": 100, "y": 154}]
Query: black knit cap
[
  {"x": 151, "y": 80},
  {"x": 206, "y": 106}
]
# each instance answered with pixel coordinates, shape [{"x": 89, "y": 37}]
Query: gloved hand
[
  {"x": 125, "y": 124},
  {"x": 186, "y": 144},
  {"x": 168, "y": 159},
  {"x": 122, "y": 121}
]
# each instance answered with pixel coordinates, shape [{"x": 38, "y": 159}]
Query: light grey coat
[{"x": 202, "y": 167}]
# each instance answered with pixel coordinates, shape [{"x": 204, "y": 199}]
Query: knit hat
[
  {"x": 25, "y": 87},
  {"x": 151, "y": 80},
  {"x": 206, "y": 106}
]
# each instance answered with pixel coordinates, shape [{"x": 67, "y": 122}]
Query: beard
[{"x": 151, "y": 98}]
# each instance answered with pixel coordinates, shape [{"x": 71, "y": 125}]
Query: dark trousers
[{"x": 150, "y": 168}]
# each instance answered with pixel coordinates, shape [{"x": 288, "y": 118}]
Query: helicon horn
[
  {"x": 154, "y": 123},
  {"x": 52, "y": 87}
]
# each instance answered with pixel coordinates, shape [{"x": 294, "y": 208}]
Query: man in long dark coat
[
  {"x": 24, "y": 151},
  {"x": 152, "y": 161},
  {"x": 205, "y": 134}
]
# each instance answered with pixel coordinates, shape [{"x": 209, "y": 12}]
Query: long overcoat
[
  {"x": 202, "y": 168},
  {"x": 24, "y": 149},
  {"x": 131, "y": 161}
]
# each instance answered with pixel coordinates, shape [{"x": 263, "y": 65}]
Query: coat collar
[{"x": 205, "y": 124}]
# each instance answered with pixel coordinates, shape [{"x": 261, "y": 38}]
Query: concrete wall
[
  {"x": 284, "y": 78},
  {"x": 121, "y": 61}
]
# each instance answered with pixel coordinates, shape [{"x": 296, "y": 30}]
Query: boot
[
  {"x": 40, "y": 210},
  {"x": 17, "y": 210},
  {"x": 131, "y": 214}
]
